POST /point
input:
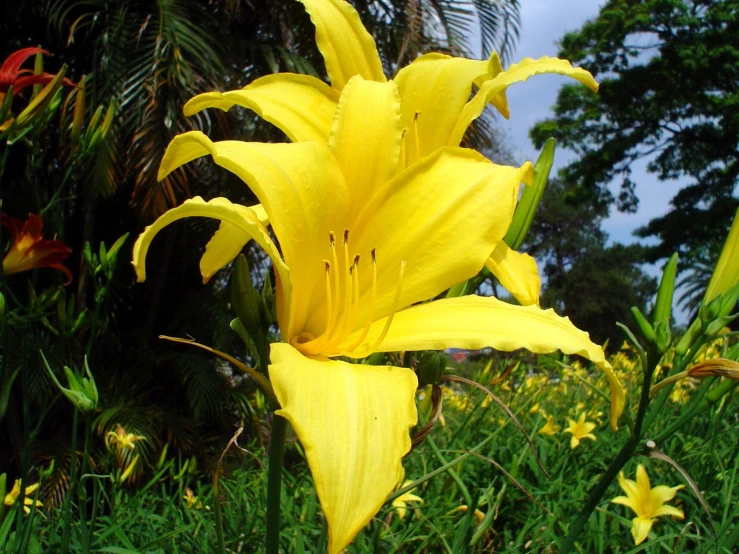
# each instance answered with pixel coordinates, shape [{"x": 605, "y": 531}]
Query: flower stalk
[{"x": 274, "y": 483}]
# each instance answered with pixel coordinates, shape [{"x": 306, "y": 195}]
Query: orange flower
[
  {"x": 11, "y": 73},
  {"x": 29, "y": 250}
]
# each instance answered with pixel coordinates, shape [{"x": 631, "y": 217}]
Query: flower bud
[
  {"x": 663, "y": 336},
  {"x": 719, "y": 323},
  {"x": 79, "y": 112},
  {"x": 431, "y": 367},
  {"x": 530, "y": 198},
  {"x": 663, "y": 303},
  {"x": 646, "y": 329},
  {"x": 82, "y": 392}
]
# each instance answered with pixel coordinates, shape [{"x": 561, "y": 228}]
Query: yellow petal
[
  {"x": 475, "y": 322},
  {"x": 353, "y": 422},
  {"x": 347, "y": 48},
  {"x": 669, "y": 511},
  {"x": 495, "y": 88},
  {"x": 443, "y": 233},
  {"x": 640, "y": 527},
  {"x": 433, "y": 91},
  {"x": 301, "y": 106},
  {"x": 642, "y": 481},
  {"x": 301, "y": 188},
  {"x": 226, "y": 244},
  {"x": 516, "y": 272},
  {"x": 222, "y": 209},
  {"x": 629, "y": 487},
  {"x": 365, "y": 138},
  {"x": 662, "y": 493},
  {"x": 624, "y": 501},
  {"x": 574, "y": 442}
]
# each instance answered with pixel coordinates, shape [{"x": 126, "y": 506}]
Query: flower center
[{"x": 343, "y": 306}]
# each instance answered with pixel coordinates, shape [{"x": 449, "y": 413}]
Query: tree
[
  {"x": 669, "y": 71},
  {"x": 592, "y": 283}
]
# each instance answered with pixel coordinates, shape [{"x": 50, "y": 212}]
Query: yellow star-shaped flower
[
  {"x": 648, "y": 503},
  {"x": 15, "y": 492},
  {"x": 579, "y": 430},
  {"x": 400, "y": 503},
  {"x": 550, "y": 428}
]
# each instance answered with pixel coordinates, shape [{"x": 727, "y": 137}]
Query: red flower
[
  {"x": 29, "y": 250},
  {"x": 12, "y": 74}
]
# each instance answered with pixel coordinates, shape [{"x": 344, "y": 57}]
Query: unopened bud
[
  {"x": 530, "y": 197},
  {"x": 663, "y": 336},
  {"x": 719, "y": 323},
  {"x": 79, "y": 111},
  {"x": 663, "y": 302},
  {"x": 646, "y": 329},
  {"x": 431, "y": 367},
  {"x": 687, "y": 339}
]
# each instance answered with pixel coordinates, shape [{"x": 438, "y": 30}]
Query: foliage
[
  {"x": 521, "y": 509},
  {"x": 668, "y": 72},
  {"x": 593, "y": 283}
]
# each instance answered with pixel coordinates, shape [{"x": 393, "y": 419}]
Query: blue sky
[{"x": 544, "y": 22}]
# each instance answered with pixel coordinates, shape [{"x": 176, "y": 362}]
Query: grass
[{"x": 476, "y": 505}]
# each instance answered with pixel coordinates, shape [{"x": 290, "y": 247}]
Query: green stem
[
  {"x": 219, "y": 515},
  {"x": 81, "y": 493},
  {"x": 70, "y": 489},
  {"x": 274, "y": 483}
]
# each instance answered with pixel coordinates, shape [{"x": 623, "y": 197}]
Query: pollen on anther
[
  {"x": 374, "y": 257},
  {"x": 346, "y": 236},
  {"x": 356, "y": 260},
  {"x": 331, "y": 237}
]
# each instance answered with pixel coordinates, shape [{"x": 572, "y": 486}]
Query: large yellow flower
[
  {"x": 365, "y": 234},
  {"x": 435, "y": 108}
]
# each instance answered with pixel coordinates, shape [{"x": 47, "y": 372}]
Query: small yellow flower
[
  {"x": 647, "y": 503},
  {"x": 122, "y": 440},
  {"x": 550, "y": 428},
  {"x": 15, "y": 492},
  {"x": 534, "y": 409},
  {"x": 400, "y": 503},
  {"x": 579, "y": 430},
  {"x": 191, "y": 500}
]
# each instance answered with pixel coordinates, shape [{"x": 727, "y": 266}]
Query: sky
[{"x": 544, "y": 22}]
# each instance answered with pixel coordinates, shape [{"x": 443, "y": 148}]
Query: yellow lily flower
[
  {"x": 400, "y": 503},
  {"x": 122, "y": 440},
  {"x": 15, "y": 492},
  {"x": 647, "y": 503},
  {"x": 579, "y": 430},
  {"x": 550, "y": 428},
  {"x": 435, "y": 107},
  {"x": 363, "y": 238}
]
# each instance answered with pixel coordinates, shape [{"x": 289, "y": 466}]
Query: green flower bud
[
  {"x": 719, "y": 323},
  {"x": 431, "y": 367},
  {"x": 663, "y": 336},
  {"x": 646, "y": 329},
  {"x": 663, "y": 303},
  {"x": 82, "y": 392},
  {"x": 530, "y": 197},
  {"x": 2, "y": 310},
  {"x": 524, "y": 214}
]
